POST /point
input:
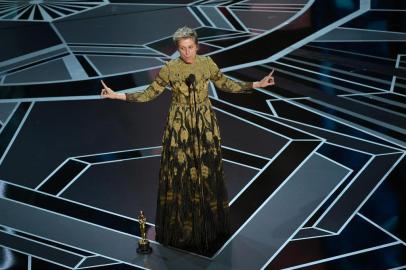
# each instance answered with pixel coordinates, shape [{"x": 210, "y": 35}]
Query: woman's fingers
[
  {"x": 104, "y": 85},
  {"x": 105, "y": 93},
  {"x": 267, "y": 80},
  {"x": 270, "y": 78}
]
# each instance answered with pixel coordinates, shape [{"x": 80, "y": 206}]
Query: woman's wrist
[{"x": 120, "y": 96}]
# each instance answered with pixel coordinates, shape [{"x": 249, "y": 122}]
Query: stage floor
[{"x": 314, "y": 166}]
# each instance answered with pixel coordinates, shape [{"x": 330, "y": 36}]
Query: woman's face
[{"x": 187, "y": 49}]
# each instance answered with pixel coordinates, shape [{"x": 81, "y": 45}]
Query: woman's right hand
[{"x": 107, "y": 92}]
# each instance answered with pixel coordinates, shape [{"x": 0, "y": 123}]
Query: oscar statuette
[{"x": 143, "y": 243}]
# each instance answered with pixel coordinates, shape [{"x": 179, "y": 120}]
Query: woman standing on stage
[{"x": 192, "y": 204}]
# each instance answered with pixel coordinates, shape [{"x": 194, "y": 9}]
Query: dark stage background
[{"x": 315, "y": 166}]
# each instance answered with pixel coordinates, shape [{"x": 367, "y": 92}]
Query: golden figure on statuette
[{"x": 143, "y": 243}]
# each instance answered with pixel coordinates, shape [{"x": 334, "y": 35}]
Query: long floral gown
[{"x": 192, "y": 204}]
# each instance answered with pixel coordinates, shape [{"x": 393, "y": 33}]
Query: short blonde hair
[{"x": 184, "y": 32}]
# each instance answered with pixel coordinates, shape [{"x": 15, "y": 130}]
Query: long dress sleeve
[
  {"x": 154, "y": 89},
  {"x": 224, "y": 83}
]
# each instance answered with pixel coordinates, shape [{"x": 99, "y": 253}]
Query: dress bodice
[{"x": 175, "y": 73}]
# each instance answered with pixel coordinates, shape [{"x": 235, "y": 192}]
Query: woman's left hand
[{"x": 266, "y": 81}]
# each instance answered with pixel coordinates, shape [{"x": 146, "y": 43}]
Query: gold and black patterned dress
[{"x": 192, "y": 204}]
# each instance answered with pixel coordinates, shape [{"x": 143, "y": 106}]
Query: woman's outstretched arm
[
  {"x": 152, "y": 91},
  {"x": 228, "y": 85}
]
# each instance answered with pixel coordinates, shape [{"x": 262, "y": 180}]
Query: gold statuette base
[{"x": 143, "y": 247}]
